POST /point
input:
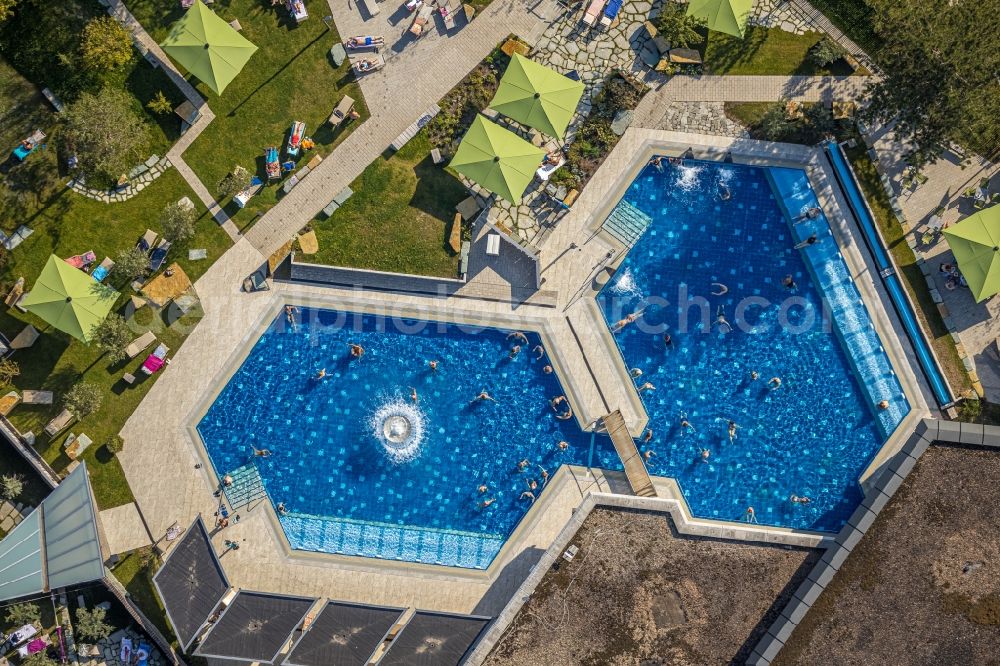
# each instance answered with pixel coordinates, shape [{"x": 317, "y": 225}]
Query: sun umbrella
[
  {"x": 537, "y": 96},
  {"x": 208, "y": 47},
  {"x": 69, "y": 299},
  {"x": 497, "y": 159},
  {"x": 728, "y": 16},
  {"x": 976, "y": 244}
]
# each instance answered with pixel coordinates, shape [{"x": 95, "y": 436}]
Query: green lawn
[
  {"x": 290, "y": 77},
  {"x": 855, "y": 19},
  {"x": 135, "y": 572},
  {"x": 916, "y": 286},
  {"x": 397, "y": 219},
  {"x": 765, "y": 51}
]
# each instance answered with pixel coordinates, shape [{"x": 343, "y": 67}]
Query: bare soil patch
[
  {"x": 923, "y": 586},
  {"x": 639, "y": 593}
]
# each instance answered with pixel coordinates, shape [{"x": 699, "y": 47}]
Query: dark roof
[
  {"x": 191, "y": 583},
  {"x": 434, "y": 639},
  {"x": 255, "y": 626},
  {"x": 344, "y": 634}
]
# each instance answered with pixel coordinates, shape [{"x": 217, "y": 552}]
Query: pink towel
[{"x": 152, "y": 364}]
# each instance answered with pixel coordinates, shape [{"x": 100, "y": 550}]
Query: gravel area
[
  {"x": 923, "y": 586},
  {"x": 638, "y": 593}
]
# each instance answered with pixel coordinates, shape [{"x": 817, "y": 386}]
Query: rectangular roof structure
[
  {"x": 191, "y": 583},
  {"x": 343, "y": 634},
  {"x": 57, "y": 545},
  {"x": 434, "y": 639},
  {"x": 254, "y": 627}
]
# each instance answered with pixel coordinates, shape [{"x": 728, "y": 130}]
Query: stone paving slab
[{"x": 124, "y": 529}]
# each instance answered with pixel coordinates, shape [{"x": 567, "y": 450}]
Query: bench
[
  {"x": 331, "y": 208},
  {"x": 455, "y": 235},
  {"x": 463, "y": 259},
  {"x": 338, "y": 201},
  {"x": 340, "y": 113},
  {"x": 295, "y": 179},
  {"x": 412, "y": 130},
  {"x": 370, "y": 6}
]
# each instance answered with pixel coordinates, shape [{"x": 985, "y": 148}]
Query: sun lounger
[
  {"x": 421, "y": 21},
  {"x": 142, "y": 654},
  {"x": 59, "y": 423},
  {"x": 368, "y": 65},
  {"x": 76, "y": 444},
  {"x": 295, "y": 136},
  {"x": 9, "y": 402},
  {"x": 244, "y": 195},
  {"x": 159, "y": 255},
  {"x": 271, "y": 163},
  {"x": 611, "y": 12},
  {"x": 139, "y": 345},
  {"x": 29, "y": 145},
  {"x": 147, "y": 240},
  {"x": 298, "y": 10},
  {"x": 156, "y": 360},
  {"x": 103, "y": 270},
  {"x": 81, "y": 261},
  {"x": 340, "y": 113},
  {"x": 255, "y": 282},
  {"x": 365, "y": 42},
  {"x": 449, "y": 11},
  {"x": 36, "y": 397},
  {"x": 593, "y": 11}
]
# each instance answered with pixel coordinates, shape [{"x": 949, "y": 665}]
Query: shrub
[
  {"x": 106, "y": 45},
  {"x": 675, "y": 26},
  {"x": 826, "y": 51},
  {"x": 6, "y": 9},
  {"x": 236, "y": 180},
  {"x": 115, "y": 444},
  {"x": 83, "y": 399},
  {"x": 11, "y": 485},
  {"x": 177, "y": 220},
  {"x": 130, "y": 264},
  {"x": 8, "y": 370},
  {"x": 970, "y": 410},
  {"x": 774, "y": 124},
  {"x": 112, "y": 336},
  {"x": 21, "y": 614},
  {"x": 819, "y": 122},
  {"x": 160, "y": 104},
  {"x": 38, "y": 659},
  {"x": 90, "y": 624},
  {"x": 108, "y": 134}
]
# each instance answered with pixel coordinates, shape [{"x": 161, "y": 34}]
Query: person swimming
[
  {"x": 750, "y": 516},
  {"x": 556, "y": 401},
  {"x": 518, "y": 335},
  {"x": 321, "y": 374},
  {"x": 545, "y": 475},
  {"x": 788, "y": 282},
  {"x": 724, "y": 193},
  {"x": 719, "y": 289},
  {"x": 540, "y": 350},
  {"x": 527, "y": 494},
  {"x": 732, "y": 431},
  {"x": 721, "y": 321},
  {"x": 433, "y": 365},
  {"x": 568, "y": 414},
  {"x": 281, "y": 509},
  {"x": 357, "y": 351},
  {"x": 797, "y": 499},
  {"x": 648, "y": 453},
  {"x": 648, "y": 435},
  {"x": 657, "y": 162},
  {"x": 636, "y": 373},
  {"x": 547, "y": 369},
  {"x": 622, "y": 323},
  {"x": 260, "y": 453},
  {"x": 482, "y": 488},
  {"x": 705, "y": 453},
  {"x": 522, "y": 464},
  {"x": 483, "y": 395},
  {"x": 648, "y": 386},
  {"x": 668, "y": 341},
  {"x": 514, "y": 351},
  {"x": 413, "y": 394},
  {"x": 486, "y": 503},
  {"x": 774, "y": 382},
  {"x": 563, "y": 445},
  {"x": 754, "y": 376}
]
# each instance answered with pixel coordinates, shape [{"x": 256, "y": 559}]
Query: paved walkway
[
  {"x": 151, "y": 51},
  {"x": 124, "y": 528}
]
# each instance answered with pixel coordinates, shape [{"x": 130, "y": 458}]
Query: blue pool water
[
  {"x": 813, "y": 435},
  {"x": 342, "y": 492}
]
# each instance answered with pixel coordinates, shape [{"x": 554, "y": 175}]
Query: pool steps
[
  {"x": 247, "y": 486},
  {"x": 626, "y": 223}
]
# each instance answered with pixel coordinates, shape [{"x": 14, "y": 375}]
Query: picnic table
[{"x": 167, "y": 286}]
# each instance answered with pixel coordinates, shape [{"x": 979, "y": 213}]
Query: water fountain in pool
[{"x": 399, "y": 427}]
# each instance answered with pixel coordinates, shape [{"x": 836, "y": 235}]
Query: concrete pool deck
[{"x": 169, "y": 477}]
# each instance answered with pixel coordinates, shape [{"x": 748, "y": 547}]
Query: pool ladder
[
  {"x": 247, "y": 486},
  {"x": 626, "y": 223}
]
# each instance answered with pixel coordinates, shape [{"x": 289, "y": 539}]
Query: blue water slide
[{"x": 925, "y": 356}]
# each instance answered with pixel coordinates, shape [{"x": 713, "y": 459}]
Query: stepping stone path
[
  {"x": 140, "y": 177},
  {"x": 111, "y": 647},
  {"x": 11, "y": 515}
]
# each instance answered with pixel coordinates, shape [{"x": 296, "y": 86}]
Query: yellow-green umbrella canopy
[
  {"x": 497, "y": 159},
  {"x": 208, "y": 47},
  {"x": 537, "y": 96},
  {"x": 976, "y": 244},
  {"x": 69, "y": 299},
  {"x": 728, "y": 16}
]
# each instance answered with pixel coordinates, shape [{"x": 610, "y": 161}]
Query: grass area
[
  {"x": 916, "y": 286},
  {"x": 855, "y": 19},
  {"x": 765, "y": 51},
  {"x": 290, "y": 77},
  {"x": 397, "y": 219},
  {"x": 135, "y": 572}
]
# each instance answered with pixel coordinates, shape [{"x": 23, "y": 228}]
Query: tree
[
  {"x": 6, "y": 9},
  {"x": 90, "y": 624},
  {"x": 774, "y": 125},
  {"x": 236, "y": 180},
  {"x": 820, "y": 121},
  {"x": 108, "y": 134},
  {"x": 160, "y": 105},
  {"x": 38, "y": 659},
  {"x": 19, "y": 615},
  {"x": 83, "y": 399},
  {"x": 679, "y": 29},
  {"x": 178, "y": 221},
  {"x": 826, "y": 51},
  {"x": 131, "y": 263},
  {"x": 11, "y": 486},
  {"x": 8, "y": 370},
  {"x": 115, "y": 444},
  {"x": 106, "y": 45},
  {"x": 941, "y": 63},
  {"x": 112, "y": 337}
]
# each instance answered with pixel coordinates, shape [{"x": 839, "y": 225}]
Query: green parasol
[
  {"x": 728, "y": 16},
  {"x": 69, "y": 299},
  {"x": 497, "y": 159},
  {"x": 976, "y": 244},
  {"x": 208, "y": 47},
  {"x": 537, "y": 96}
]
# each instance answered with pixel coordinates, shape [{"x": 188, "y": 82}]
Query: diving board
[{"x": 635, "y": 468}]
